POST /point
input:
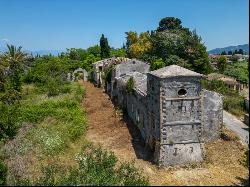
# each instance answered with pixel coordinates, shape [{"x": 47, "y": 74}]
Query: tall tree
[
  {"x": 169, "y": 23},
  {"x": 230, "y": 53},
  {"x": 171, "y": 40},
  {"x": 137, "y": 46},
  {"x": 222, "y": 64},
  {"x": 105, "y": 49}
]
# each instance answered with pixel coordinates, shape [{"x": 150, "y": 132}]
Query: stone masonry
[{"x": 173, "y": 113}]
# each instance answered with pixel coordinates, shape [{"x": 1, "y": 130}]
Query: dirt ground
[{"x": 110, "y": 131}]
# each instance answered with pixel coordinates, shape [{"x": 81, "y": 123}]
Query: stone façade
[{"x": 173, "y": 113}]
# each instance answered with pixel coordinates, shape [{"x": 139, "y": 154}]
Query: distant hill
[
  {"x": 46, "y": 52},
  {"x": 244, "y": 47},
  {"x": 39, "y": 52}
]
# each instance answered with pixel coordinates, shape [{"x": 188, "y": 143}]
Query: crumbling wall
[{"x": 212, "y": 115}]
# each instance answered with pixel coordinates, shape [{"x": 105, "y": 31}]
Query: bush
[
  {"x": 232, "y": 101},
  {"x": 130, "y": 85},
  {"x": 3, "y": 173},
  {"x": 53, "y": 87},
  {"x": 234, "y": 104},
  {"x": 8, "y": 121},
  {"x": 95, "y": 167}
]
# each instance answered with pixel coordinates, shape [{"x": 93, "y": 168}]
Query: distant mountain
[
  {"x": 39, "y": 52},
  {"x": 46, "y": 52},
  {"x": 244, "y": 47}
]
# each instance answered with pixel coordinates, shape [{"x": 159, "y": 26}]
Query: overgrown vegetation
[
  {"x": 42, "y": 119},
  {"x": 170, "y": 43},
  {"x": 94, "y": 167},
  {"x": 232, "y": 101},
  {"x": 238, "y": 70},
  {"x": 130, "y": 85}
]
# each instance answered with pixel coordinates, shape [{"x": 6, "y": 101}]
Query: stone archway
[{"x": 80, "y": 73}]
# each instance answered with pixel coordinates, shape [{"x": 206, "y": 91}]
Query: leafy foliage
[
  {"x": 137, "y": 45},
  {"x": 108, "y": 74},
  {"x": 238, "y": 70},
  {"x": 169, "y": 23},
  {"x": 95, "y": 167},
  {"x": 222, "y": 64},
  {"x": 3, "y": 173},
  {"x": 232, "y": 101},
  {"x": 168, "y": 42},
  {"x": 130, "y": 85}
]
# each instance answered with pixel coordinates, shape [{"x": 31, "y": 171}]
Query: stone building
[
  {"x": 100, "y": 66},
  {"x": 173, "y": 113}
]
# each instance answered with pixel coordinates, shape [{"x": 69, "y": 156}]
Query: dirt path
[{"x": 109, "y": 131}]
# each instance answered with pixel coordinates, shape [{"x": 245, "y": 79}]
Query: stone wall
[{"x": 212, "y": 115}]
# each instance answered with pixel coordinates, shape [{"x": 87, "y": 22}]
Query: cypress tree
[{"x": 105, "y": 49}]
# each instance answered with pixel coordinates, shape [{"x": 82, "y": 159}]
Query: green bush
[
  {"x": 95, "y": 167},
  {"x": 130, "y": 85},
  {"x": 3, "y": 173},
  {"x": 232, "y": 101},
  {"x": 53, "y": 87},
  {"x": 234, "y": 105},
  {"x": 8, "y": 121}
]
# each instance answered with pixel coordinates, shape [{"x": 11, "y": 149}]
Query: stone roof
[
  {"x": 140, "y": 81},
  {"x": 173, "y": 71}
]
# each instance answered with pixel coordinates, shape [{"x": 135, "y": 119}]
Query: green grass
[
  {"x": 59, "y": 120},
  {"x": 55, "y": 140}
]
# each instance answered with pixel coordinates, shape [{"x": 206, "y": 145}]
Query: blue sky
[{"x": 61, "y": 24}]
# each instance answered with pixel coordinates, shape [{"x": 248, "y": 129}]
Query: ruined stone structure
[
  {"x": 173, "y": 113},
  {"x": 100, "y": 66},
  {"x": 72, "y": 76}
]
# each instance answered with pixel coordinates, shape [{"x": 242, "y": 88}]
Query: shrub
[
  {"x": 53, "y": 87},
  {"x": 95, "y": 167},
  {"x": 3, "y": 173},
  {"x": 234, "y": 105},
  {"x": 8, "y": 123},
  {"x": 130, "y": 85}
]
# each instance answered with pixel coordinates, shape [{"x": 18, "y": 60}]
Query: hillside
[{"x": 244, "y": 47}]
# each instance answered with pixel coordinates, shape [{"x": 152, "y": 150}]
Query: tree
[
  {"x": 137, "y": 46},
  {"x": 118, "y": 52},
  {"x": 95, "y": 50},
  {"x": 15, "y": 58},
  {"x": 105, "y": 49},
  {"x": 184, "y": 44},
  {"x": 222, "y": 64},
  {"x": 230, "y": 53},
  {"x": 157, "y": 64},
  {"x": 223, "y": 53},
  {"x": 236, "y": 51},
  {"x": 240, "y": 51},
  {"x": 169, "y": 23}
]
